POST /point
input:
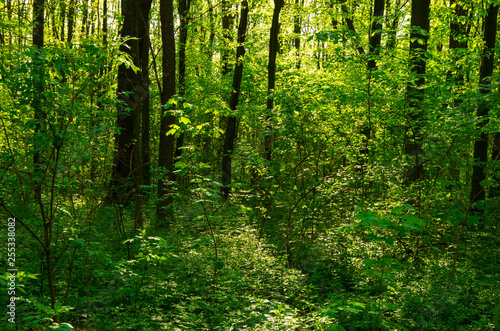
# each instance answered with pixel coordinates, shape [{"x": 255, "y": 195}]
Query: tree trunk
[
  {"x": 233, "y": 101},
  {"x": 62, "y": 15},
  {"x": 131, "y": 90},
  {"x": 184, "y": 6},
  {"x": 38, "y": 43},
  {"x": 144, "y": 47},
  {"x": 71, "y": 20},
  {"x": 271, "y": 75},
  {"x": 296, "y": 31},
  {"x": 459, "y": 33},
  {"x": 376, "y": 34},
  {"x": 350, "y": 25},
  {"x": 485, "y": 73},
  {"x": 227, "y": 21},
  {"x": 419, "y": 35},
  {"x": 166, "y": 149}
]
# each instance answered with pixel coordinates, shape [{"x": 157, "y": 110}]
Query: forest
[{"x": 249, "y": 165}]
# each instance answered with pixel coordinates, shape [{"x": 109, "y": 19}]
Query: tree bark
[
  {"x": 184, "y": 6},
  {"x": 296, "y": 31},
  {"x": 485, "y": 73},
  {"x": 38, "y": 43},
  {"x": 419, "y": 35},
  {"x": 459, "y": 33},
  {"x": 271, "y": 75},
  {"x": 376, "y": 34},
  {"x": 166, "y": 149},
  {"x": 350, "y": 25},
  {"x": 227, "y": 21},
  {"x": 71, "y": 20},
  {"x": 233, "y": 101},
  {"x": 131, "y": 90}
]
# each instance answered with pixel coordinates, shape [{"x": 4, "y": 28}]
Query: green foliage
[{"x": 327, "y": 235}]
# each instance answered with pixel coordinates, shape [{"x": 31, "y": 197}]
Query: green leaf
[
  {"x": 180, "y": 165},
  {"x": 184, "y": 120}
]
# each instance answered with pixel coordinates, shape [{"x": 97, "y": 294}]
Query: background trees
[{"x": 346, "y": 190}]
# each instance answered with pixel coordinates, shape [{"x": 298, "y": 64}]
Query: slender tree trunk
[
  {"x": 376, "y": 34},
  {"x": 227, "y": 21},
  {"x": 124, "y": 139},
  {"x": 38, "y": 42},
  {"x": 141, "y": 102},
  {"x": 233, "y": 101},
  {"x": 211, "y": 36},
  {"x": 485, "y": 73},
  {"x": 271, "y": 75},
  {"x": 459, "y": 32},
  {"x": 184, "y": 6},
  {"x": 146, "y": 127},
  {"x": 144, "y": 47},
  {"x": 296, "y": 31},
  {"x": 350, "y": 25},
  {"x": 84, "y": 31},
  {"x": 419, "y": 35},
  {"x": 71, "y": 20},
  {"x": 375, "y": 42},
  {"x": 131, "y": 90},
  {"x": 166, "y": 149},
  {"x": 62, "y": 15}
]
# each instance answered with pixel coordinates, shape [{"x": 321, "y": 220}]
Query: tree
[
  {"x": 459, "y": 33},
  {"x": 376, "y": 33},
  {"x": 131, "y": 91},
  {"x": 164, "y": 209},
  {"x": 233, "y": 101},
  {"x": 485, "y": 73},
  {"x": 184, "y": 6},
  {"x": 419, "y": 36},
  {"x": 271, "y": 74}
]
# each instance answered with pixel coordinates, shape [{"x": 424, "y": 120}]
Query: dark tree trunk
[
  {"x": 233, "y": 101},
  {"x": 227, "y": 21},
  {"x": 38, "y": 41},
  {"x": 145, "y": 134},
  {"x": 71, "y": 20},
  {"x": 85, "y": 14},
  {"x": 459, "y": 32},
  {"x": 271, "y": 75},
  {"x": 123, "y": 165},
  {"x": 485, "y": 73},
  {"x": 376, "y": 34},
  {"x": 375, "y": 41},
  {"x": 211, "y": 36},
  {"x": 296, "y": 31},
  {"x": 62, "y": 14},
  {"x": 419, "y": 35},
  {"x": 166, "y": 149},
  {"x": 131, "y": 91},
  {"x": 350, "y": 25},
  {"x": 144, "y": 47},
  {"x": 184, "y": 6}
]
